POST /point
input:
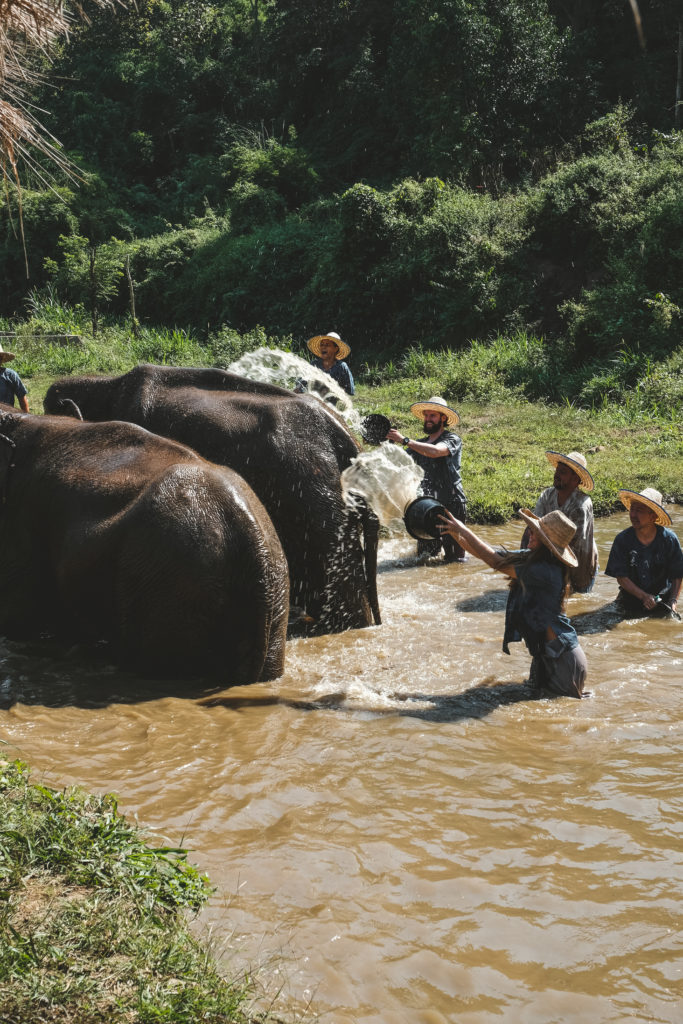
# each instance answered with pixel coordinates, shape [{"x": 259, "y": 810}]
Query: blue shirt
[
  {"x": 340, "y": 373},
  {"x": 652, "y": 567},
  {"x": 10, "y": 385},
  {"x": 534, "y": 603}
]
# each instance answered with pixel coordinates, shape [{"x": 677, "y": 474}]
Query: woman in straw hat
[
  {"x": 539, "y": 584},
  {"x": 330, "y": 352},
  {"x": 646, "y": 558},
  {"x": 11, "y": 384}
]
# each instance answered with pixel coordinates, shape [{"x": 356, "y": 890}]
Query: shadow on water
[
  {"x": 597, "y": 620},
  {"x": 491, "y": 601},
  {"x": 53, "y": 674},
  {"x": 477, "y": 702}
]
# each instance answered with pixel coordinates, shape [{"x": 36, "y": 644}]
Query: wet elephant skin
[
  {"x": 290, "y": 448},
  {"x": 110, "y": 532}
]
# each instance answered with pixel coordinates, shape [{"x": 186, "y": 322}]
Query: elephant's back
[{"x": 201, "y": 574}]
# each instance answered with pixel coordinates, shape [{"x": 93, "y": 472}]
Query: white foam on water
[
  {"x": 274, "y": 366},
  {"x": 387, "y": 478}
]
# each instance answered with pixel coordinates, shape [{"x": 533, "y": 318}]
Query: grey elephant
[
  {"x": 110, "y": 532},
  {"x": 290, "y": 448}
]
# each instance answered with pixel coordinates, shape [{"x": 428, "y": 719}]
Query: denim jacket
[{"x": 533, "y": 604}]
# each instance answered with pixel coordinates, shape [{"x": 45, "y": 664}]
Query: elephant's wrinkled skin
[
  {"x": 110, "y": 532},
  {"x": 290, "y": 448}
]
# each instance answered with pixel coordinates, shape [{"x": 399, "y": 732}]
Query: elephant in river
[
  {"x": 290, "y": 448},
  {"x": 110, "y": 532}
]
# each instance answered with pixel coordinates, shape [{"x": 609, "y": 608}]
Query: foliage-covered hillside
[{"x": 409, "y": 173}]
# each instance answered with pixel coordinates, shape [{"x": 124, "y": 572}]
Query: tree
[{"x": 88, "y": 273}]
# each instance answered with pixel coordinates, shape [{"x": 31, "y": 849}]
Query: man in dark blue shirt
[
  {"x": 11, "y": 384},
  {"x": 646, "y": 559},
  {"x": 439, "y": 454}
]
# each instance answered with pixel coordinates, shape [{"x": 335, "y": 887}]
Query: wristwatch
[{"x": 406, "y": 441}]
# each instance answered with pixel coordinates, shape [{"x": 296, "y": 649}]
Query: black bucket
[
  {"x": 421, "y": 518},
  {"x": 374, "y": 428}
]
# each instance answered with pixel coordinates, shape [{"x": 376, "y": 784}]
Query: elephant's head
[{"x": 81, "y": 398}]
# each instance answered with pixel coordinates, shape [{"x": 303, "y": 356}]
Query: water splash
[
  {"x": 274, "y": 366},
  {"x": 387, "y": 478}
]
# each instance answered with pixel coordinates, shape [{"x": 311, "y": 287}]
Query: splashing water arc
[
  {"x": 274, "y": 366},
  {"x": 388, "y": 479}
]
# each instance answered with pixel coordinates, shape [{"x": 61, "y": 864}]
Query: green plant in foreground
[{"x": 91, "y": 922}]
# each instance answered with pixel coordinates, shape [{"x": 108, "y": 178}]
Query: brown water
[{"x": 418, "y": 839}]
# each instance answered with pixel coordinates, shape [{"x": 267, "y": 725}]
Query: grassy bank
[
  {"x": 625, "y": 416},
  {"x": 93, "y": 923},
  {"x": 504, "y": 467}
]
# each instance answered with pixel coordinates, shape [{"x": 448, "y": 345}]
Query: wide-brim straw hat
[
  {"x": 575, "y": 461},
  {"x": 555, "y": 530},
  {"x": 5, "y": 357},
  {"x": 435, "y": 404},
  {"x": 649, "y": 497},
  {"x": 314, "y": 344}
]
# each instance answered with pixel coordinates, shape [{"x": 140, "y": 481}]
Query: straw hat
[
  {"x": 5, "y": 357},
  {"x": 649, "y": 497},
  {"x": 555, "y": 530},
  {"x": 314, "y": 344},
  {"x": 575, "y": 461},
  {"x": 435, "y": 404}
]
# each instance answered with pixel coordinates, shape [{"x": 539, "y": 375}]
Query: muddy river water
[{"x": 395, "y": 829}]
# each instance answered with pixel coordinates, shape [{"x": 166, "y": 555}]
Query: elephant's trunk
[{"x": 371, "y": 543}]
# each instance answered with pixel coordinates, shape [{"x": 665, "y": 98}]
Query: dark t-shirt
[
  {"x": 11, "y": 384},
  {"x": 339, "y": 372},
  {"x": 652, "y": 567},
  {"x": 442, "y": 475}
]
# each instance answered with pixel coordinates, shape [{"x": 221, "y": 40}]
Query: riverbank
[{"x": 95, "y": 919}]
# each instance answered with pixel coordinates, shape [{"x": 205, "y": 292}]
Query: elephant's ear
[{"x": 7, "y": 449}]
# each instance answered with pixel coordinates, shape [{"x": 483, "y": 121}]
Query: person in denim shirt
[
  {"x": 646, "y": 559},
  {"x": 11, "y": 384},
  {"x": 539, "y": 586}
]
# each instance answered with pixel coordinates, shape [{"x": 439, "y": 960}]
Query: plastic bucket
[
  {"x": 374, "y": 428},
  {"x": 421, "y": 518}
]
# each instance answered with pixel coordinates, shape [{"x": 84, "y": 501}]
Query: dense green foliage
[{"x": 412, "y": 174}]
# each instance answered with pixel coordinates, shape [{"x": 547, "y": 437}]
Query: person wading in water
[
  {"x": 539, "y": 586},
  {"x": 439, "y": 454},
  {"x": 646, "y": 558}
]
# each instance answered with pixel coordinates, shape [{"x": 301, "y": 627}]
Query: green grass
[
  {"x": 93, "y": 926},
  {"x": 504, "y": 467}
]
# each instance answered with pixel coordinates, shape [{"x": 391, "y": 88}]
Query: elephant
[
  {"x": 290, "y": 448},
  {"x": 111, "y": 532}
]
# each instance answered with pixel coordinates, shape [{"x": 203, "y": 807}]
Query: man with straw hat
[
  {"x": 11, "y": 384},
  {"x": 569, "y": 494},
  {"x": 330, "y": 352},
  {"x": 646, "y": 558},
  {"x": 539, "y": 586},
  {"x": 439, "y": 454}
]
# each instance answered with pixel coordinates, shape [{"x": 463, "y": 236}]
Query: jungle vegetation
[{"x": 420, "y": 177}]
